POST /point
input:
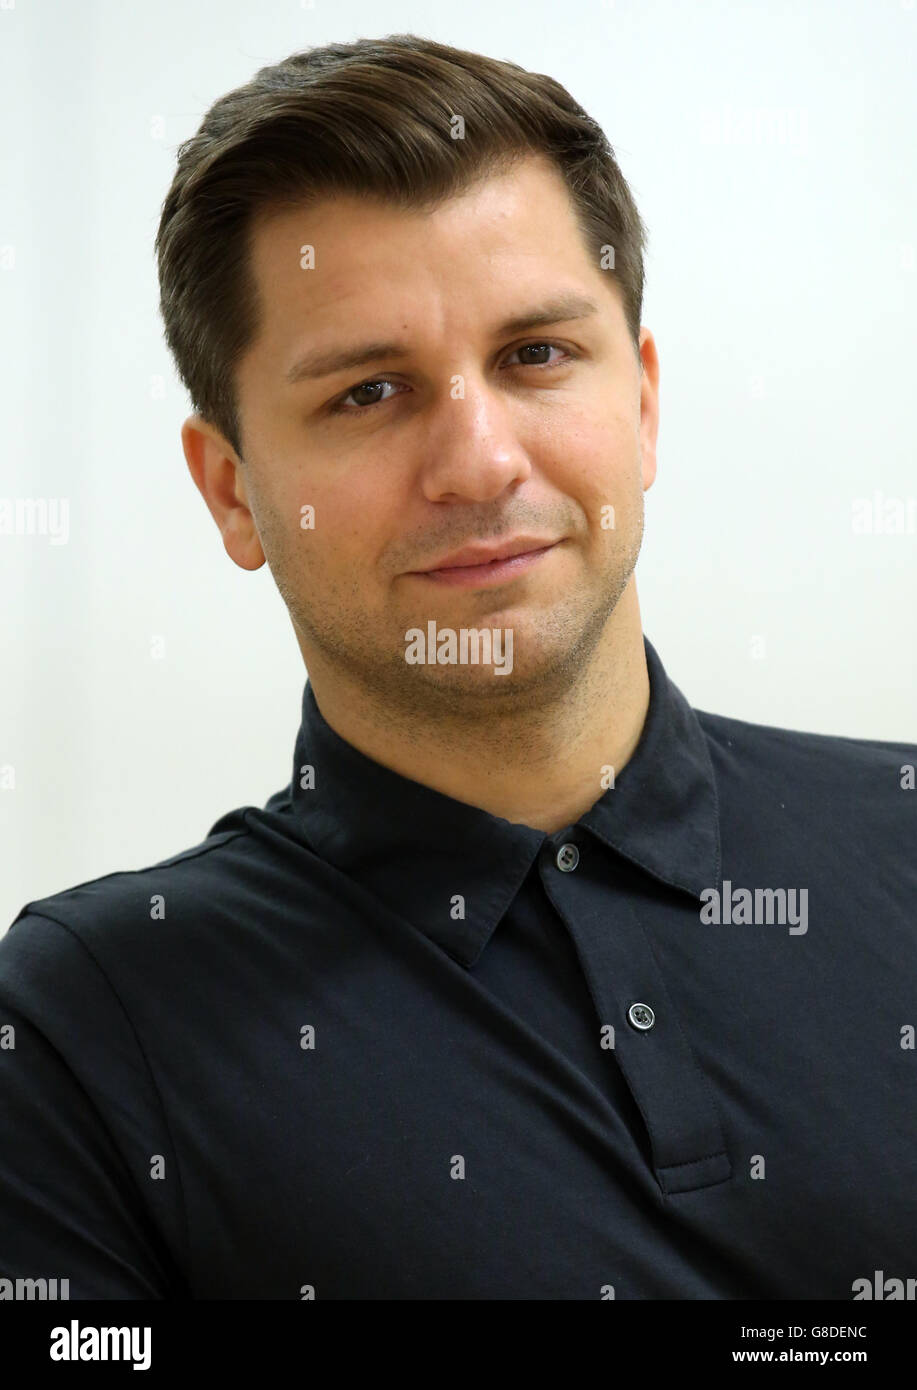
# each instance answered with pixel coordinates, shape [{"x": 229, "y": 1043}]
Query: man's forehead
[
  {"x": 488, "y": 218},
  {"x": 346, "y": 263}
]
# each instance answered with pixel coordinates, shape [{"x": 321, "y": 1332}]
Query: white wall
[{"x": 771, "y": 150}]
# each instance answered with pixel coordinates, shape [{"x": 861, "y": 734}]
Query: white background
[{"x": 771, "y": 148}]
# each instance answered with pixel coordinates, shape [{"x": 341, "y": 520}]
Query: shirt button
[
  {"x": 641, "y": 1016},
  {"x": 567, "y": 858}
]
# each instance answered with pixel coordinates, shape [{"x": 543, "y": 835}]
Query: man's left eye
[{"x": 538, "y": 347}]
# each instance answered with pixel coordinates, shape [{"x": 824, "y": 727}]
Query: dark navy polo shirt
[{"x": 370, "y": 1042}]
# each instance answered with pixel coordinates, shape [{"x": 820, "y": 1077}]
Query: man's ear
[
  {"x": 649, "y": 405},
  {"x": 217, "y": 472}
]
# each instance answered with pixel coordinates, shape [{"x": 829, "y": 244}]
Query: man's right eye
[{"x": 340, "y": 407}]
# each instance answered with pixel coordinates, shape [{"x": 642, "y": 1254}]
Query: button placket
[{"x": 672, "y": 1092}]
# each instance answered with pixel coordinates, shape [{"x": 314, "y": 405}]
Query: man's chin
[{"x": 505, "y": 675}]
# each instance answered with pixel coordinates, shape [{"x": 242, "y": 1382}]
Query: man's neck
[{"x": 545, "y": 767}]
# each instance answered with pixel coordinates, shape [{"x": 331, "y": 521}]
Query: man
[{"x": 534, "y": 982}]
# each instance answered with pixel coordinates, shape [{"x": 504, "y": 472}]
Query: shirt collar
[{"x": 416, "y": 849}]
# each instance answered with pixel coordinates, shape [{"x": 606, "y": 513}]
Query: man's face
[{"x": 474, "y": 434}]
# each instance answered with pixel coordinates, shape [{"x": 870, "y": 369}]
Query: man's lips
[{"x": 498, "y": 570}]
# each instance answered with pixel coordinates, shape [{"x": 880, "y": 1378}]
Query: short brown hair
[{"x": 373, "y": 117}]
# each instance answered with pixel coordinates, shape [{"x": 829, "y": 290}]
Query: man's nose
[{"x": 471, "y": 449}]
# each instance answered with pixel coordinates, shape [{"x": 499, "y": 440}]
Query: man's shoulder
[
  {"x": 832, "y": 749},
  {"x": 128, "y": 899},
  {"x": 822, "y": 765}
]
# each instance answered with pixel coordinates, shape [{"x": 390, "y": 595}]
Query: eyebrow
[{"x": 324, "y": 362}]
